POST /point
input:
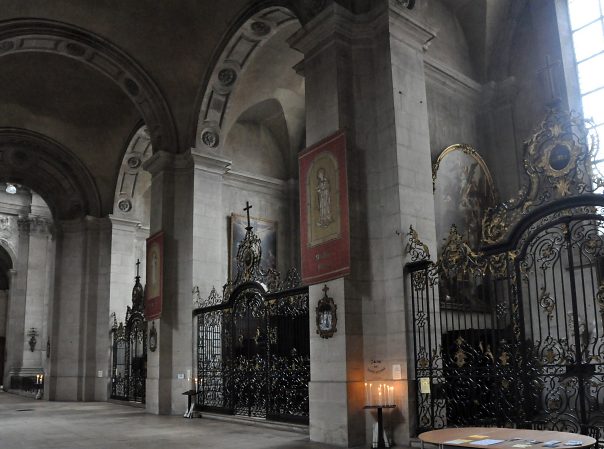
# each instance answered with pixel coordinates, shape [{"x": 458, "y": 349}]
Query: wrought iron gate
[
  {"x": 129, "y": 351},
  {"x": 513, "y": 334},
  {"x": 253, "y": 346}
]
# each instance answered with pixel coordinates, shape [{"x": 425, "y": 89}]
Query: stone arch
[
  {"x": 35, "y": 35},
  {"x": 132, "y": 192},
  {"x": 50, "y": 169},
  {"x": 251, "y": 33}
]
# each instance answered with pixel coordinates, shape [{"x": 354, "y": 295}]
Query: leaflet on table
[
  {"x": 486, "y": 442},
  {"x": 458, "y": 441}
]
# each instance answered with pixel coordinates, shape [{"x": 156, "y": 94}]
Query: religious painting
[
  {"x": 155, "y": 274},
  {"x": 266, "y": 231},
  {"x": 463, "y": 191},
  {"x": 325, "y": 234}
]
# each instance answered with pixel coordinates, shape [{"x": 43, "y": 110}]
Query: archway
[
  {"x": 44, "y": 36},
  {"x": 27, "y": 252},
  {"x": 252, "y": 120}
]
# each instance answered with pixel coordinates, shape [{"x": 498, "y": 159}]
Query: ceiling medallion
[
  {"x": 6, "y": 46},
  {"x": 260, "y": 28},
  {"x": 134, "y": 162},
  {"x": 75, "y": 49},
  {"x": 124, "y": 205},
  {"x": 131, "y": 87},
  {"x": 227, "y": 77},
  {"x": 210, "y": 138}
]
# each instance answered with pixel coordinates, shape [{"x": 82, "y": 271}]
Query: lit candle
[
  {"x": 380, "y": 395},
  {"x": 391, "y": 395},
  {"x": 366, "y": 395},
  {"x": 370, "y": 394}
]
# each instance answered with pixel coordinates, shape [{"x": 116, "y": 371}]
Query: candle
[
  {"x": 391, "y": 395},
  {"x": 370, "y": 395},
  {"x": 380, "y": 395},
  {"x": 366, "y": 394}
]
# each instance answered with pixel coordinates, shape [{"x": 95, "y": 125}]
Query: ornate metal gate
[
  {"x": 129, "y": 350},
  {"x": 513, "y": 334},
  {"x": 253, "y": 347}
]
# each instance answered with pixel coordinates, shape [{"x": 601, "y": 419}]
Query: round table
[{"x": 511, "y": 437}]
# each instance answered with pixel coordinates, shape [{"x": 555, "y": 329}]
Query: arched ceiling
[{"x": 72, "y": 104}]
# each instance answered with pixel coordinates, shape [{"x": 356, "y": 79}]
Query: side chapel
[{"x": 300, "y": 210}]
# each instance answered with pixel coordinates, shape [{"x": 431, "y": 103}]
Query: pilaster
[
  {"x": 169, "y": 367},
  {"x": 365, "y": 74}
]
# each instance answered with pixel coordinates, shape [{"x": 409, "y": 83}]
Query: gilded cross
[{"x": 247, "y": 209}]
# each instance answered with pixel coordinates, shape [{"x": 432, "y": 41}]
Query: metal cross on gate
[{"x": 247, "y": 208}]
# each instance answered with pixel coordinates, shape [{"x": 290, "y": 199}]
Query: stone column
[
  {"x": 365, "y": 74},
  {"x": 15, "y": 338},
  {"x": 172, "y": 213},
  {"x": 11, "y": 336},
  {"x": 34, "y": 338},
  {"x": 79, "y": 315}
]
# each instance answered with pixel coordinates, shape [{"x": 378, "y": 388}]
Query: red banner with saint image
[
  {"x": 154, "y": 287},
  {"x": 324, "y": 225}
]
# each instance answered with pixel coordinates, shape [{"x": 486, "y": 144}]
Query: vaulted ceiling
[{"x": 109, "y": 65}]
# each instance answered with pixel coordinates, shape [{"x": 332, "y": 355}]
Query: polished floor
[{"x": 29, "y": 424}]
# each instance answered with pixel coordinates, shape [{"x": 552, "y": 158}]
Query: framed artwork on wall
[
  {"x": 266, "y": 230},
  {"x": 324, "y": 227},
  {"x": 155, "y": 276}
]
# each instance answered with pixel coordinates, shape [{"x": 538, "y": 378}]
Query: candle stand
[{"x": 380, "y": 422}]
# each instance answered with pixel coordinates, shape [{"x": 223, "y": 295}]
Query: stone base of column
[{"x": 334, "y": 417}]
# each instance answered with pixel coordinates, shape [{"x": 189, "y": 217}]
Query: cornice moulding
[
  {"x": 253, "y": 182},
  {"x": 463, "y": 85},
  {"x": 338, "y": 23},
  {"x": 210, "y": 162}
]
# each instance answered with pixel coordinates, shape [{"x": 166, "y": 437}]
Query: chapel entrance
[
  {"x": 129, "y": 350},
  {"x": 253, "y": 346},
  {"x": 530, "y": 353}
]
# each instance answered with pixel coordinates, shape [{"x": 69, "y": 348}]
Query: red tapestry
[
  {"x": 155, "y": 276},
  {"x": 324, "y": 227}
]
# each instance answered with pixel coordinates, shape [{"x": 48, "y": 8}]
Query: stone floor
[{"x": 27, "y": 424}]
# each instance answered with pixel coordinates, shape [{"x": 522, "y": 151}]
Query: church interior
[{"x": 351, "y": 220}]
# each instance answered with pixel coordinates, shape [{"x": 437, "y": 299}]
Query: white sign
[
  {"x": 180, "y": 376},
  {"x": 424, "y": 385},
  {"x": 396, "y": 372},
  {"x": 99, "y": 373}
]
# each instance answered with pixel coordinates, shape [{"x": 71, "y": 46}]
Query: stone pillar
[
  {"x": 34, "y": 338},
  {"x": 79, "y": 315},
  {"x": 172, "y": 212},
  {"x": 15, "y": 338},
  {"x": 365, "y": 74},
  {"x": 10, "y": 334}
]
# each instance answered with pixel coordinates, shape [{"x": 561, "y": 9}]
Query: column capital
[
  {"x": 336, "y": 23},
  {"x": 162, "y": 161}
]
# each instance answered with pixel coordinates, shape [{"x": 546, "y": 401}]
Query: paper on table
[
  {"x": 486, "y": 442},
  {"x": 521, "y": 445},
  {"x": 478, "y": 436},
  {"x": 458, "y": 441}
]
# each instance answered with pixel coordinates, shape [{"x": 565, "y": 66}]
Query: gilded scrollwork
[
  {"x": 558, "y": 162},
  {"x": 417, "y": 249}
]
